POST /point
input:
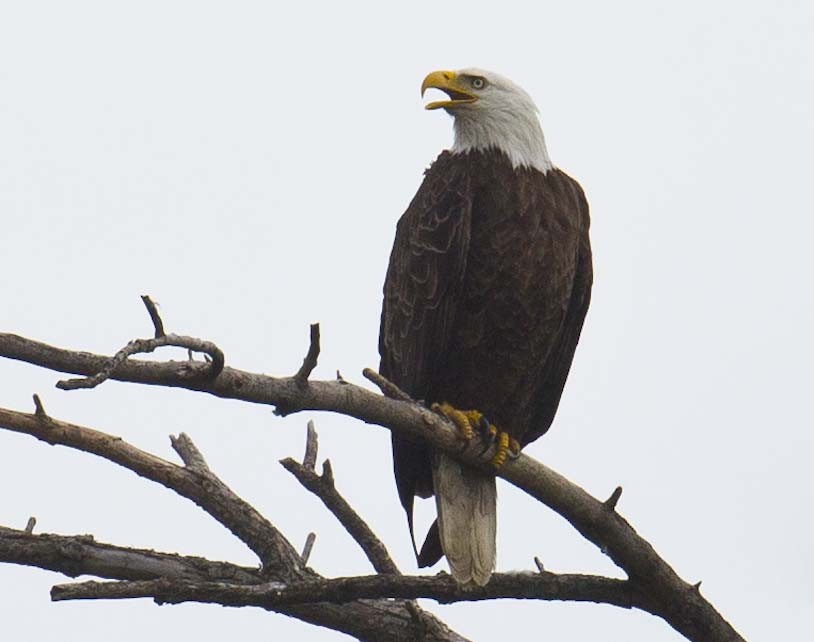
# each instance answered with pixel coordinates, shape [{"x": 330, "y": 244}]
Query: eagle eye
[{"x": 478, "y": 83}]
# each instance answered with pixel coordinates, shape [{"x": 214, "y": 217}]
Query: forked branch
[
  {"x": 323, "y": 486},
  {"x": 373, "y": 620}
]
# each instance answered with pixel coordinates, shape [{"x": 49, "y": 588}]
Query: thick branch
[
  {"x": 369, "y": 620},
  {"x": 442, "y": 588},
  {"x": 82, "y": 555},
  {"x": 669, "y": 596}
]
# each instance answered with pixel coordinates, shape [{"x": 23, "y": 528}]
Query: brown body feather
[{"x": 486, "y": 292}]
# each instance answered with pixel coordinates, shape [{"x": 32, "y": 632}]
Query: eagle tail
[{"x": 466, "y": 501}]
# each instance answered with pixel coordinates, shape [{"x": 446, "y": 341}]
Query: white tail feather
[{"x": 466, "y": 500}]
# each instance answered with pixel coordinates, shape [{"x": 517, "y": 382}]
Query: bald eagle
[{"x": 486, "y": 292}]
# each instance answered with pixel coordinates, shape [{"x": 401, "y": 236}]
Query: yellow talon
[
  {"x": 502, "y": 450},
  {"x": 459, "y": 418},
  {"x": 467, "y": 421}
]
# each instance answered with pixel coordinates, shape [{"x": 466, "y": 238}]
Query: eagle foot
[
  {"x": 464, "y": 420},
  {"x": 468, "y": 421},
  {"x": 507, "y": 448}
]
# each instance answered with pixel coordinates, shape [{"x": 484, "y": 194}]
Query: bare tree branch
[
  {"x": 664, "y": 592},
  {"x": 610, "y": 502},
  {"x": 195, "y": 482},
  {"x": 152, "y": 310},
  {"x": 323, "y": 487},
  {"x": 388, "y": 388},
  {"x": 161, "y": 339},
  {"x": 306, "y": 550},
  {"x": 310, "y": 361},
  {"x": 369, "y": 620},
  {"x": 442, "y": 588},
  {"x": 82, "y": 555},
  {"x": 30, "y": 524},
  {"x": 309, "y": 460},
  {"x": 365, "y": 620}
]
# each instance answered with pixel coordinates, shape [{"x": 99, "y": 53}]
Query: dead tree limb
[
  {"x": 442, "y": 588},
  {"x": 369, "y": 620},
  {"x": 323, "y": 487},
  {"x": 663, "y": 592},
  {"x": 366, "y": 620},
  {"x": 310, "y": 360},
  {"x": 82, "y": 555}
]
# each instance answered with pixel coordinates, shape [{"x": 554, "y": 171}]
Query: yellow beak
[{"x": 449, "y": 82}]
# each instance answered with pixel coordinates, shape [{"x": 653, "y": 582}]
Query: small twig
[
  {"x": 310, "y": 361},
  {"x": 39, "y": 409},
  {"x": 189, "y": 453},
  {"x": 327, "y": 473},
  {"x": 152, "y": 310},
  {"x": 30, "y": 524},
  {"x": 539, "y": 564},
  {"x": 388, "y": 388},
  {"x": 323, "y": 487},
  {"x": 697, "y": 586},
  {"x": 309, "y": 461},
  {"x": 306, "y": 550},
  {"x": 610, "y": 502}
]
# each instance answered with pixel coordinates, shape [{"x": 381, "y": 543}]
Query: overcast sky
[{"x": 245, "y": 165}]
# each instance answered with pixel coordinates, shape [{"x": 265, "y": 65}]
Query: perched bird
[{"x": 486, "y": 291}]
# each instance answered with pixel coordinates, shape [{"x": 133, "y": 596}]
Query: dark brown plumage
[{"x": 486, "y": 292}]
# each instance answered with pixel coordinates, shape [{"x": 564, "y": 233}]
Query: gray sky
[{"x": 246, "y": 166}]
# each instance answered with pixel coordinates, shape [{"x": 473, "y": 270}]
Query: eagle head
[{"x": 490, "y": 112}]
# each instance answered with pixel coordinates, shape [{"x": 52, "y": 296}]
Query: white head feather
[{"x": 503, "y": 117}]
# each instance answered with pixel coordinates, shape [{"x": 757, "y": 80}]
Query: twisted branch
[{"x": 144, "y": 346}]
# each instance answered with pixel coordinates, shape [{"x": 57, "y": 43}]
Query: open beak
[{"x": 448, "y": 82}]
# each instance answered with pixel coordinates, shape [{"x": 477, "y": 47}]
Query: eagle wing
[
  {"x": 556, "y": 366},
  {"x": 421, "y": 296}
]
